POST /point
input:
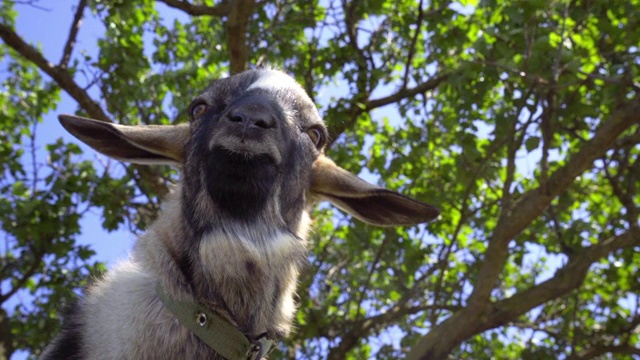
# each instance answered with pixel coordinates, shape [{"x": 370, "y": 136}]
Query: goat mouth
[
  {"x": 241, "y": 152},
  {"x": 240, "y": 184},
  {"x": 244, "y": 147},
  {"x": 240, "y": 162}
]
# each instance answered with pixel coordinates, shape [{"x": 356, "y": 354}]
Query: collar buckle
[
  {"x": 262, "y": 346},
  {"x": 215, "y": 331}
]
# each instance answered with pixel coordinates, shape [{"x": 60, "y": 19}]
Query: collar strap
[{"x": 224, "y": 338}]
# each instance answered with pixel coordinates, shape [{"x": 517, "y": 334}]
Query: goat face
[
  {"x": 254, "y": 138},
  {"x": 254, "y": 151}
]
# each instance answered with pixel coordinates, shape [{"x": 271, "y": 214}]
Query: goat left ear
[
  {"x": 367, "y": 202},
  {"x": 149, "y": 144}
]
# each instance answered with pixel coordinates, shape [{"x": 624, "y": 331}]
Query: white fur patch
[
  {"x": 218, "y": 249},
  {"x": 274, "y": 262},
  {"x": 274, "y": 80}
]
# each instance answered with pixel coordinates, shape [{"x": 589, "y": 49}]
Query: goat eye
[
  {"x": 317, "y": 136},
  {"x": 198, "y": 110}
]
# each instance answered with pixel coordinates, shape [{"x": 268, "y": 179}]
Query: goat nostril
[
  {"x": 257, "y": 119},
  {"x": 262, "y": 123},
  {"x": 236, "y": 118}
]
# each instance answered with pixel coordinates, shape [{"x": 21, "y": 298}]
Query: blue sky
[
  {"x": 51, "y": 36},
  {"x": 34, "y": 26}
]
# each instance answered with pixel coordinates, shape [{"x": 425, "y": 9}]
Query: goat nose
[{"x": 252, "y": 115}]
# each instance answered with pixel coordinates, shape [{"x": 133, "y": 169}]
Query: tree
[{"x": 520, "y": 120}]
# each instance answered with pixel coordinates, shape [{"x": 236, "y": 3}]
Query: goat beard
[{"x": 240, "y": 184}]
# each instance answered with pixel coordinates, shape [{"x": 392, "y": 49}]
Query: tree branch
[
  {"x": 337, "y": 128},
  {"x": 351, "y": 24},
  {"x": 236, "y": 25},
  {"x": 359, "y": 329},
  {"x": 564, "y": 281},
  {"x": 443, "y": 338},
  {"x": 352, "y": 331},
  {"x": 65, "y": 80},
  {"x": 73, "y": 33},
  {"x": 600, "y": 349},
  {"x": 412, "y": 47},
  {"x": 238, "y": 14},
  {"x": 26, "y": 275},
  {"x": 6, "y": 336},
  {"x": 533, "y": 203},
  {"x": 219, "y": 10},
  {"x": 406, "y": 93},
  {"x": 59, "y": 75}
]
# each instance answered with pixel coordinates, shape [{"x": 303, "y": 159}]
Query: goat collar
[{"x": 222, "y": 337}]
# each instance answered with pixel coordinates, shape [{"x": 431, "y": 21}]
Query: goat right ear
[
  {"x": 367, "y": 202},
  {"x": 150, "y": 144}
]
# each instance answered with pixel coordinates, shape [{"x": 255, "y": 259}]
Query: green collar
[{"x": 224, "y": 338}]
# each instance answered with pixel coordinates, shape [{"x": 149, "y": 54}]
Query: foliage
[{"x": 518, "y": 119}]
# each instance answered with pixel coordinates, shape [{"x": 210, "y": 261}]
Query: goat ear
[
  {"x": 151, "y": 144},
  {"x": 367, "y": 202}
]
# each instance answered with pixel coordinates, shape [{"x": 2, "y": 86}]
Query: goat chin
[{"x": 232, "y": 235}]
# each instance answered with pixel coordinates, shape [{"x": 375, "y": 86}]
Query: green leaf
[{"x": 532, "y": 143}]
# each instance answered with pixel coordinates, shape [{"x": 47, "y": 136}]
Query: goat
[{"x": 231, "y": 237}]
